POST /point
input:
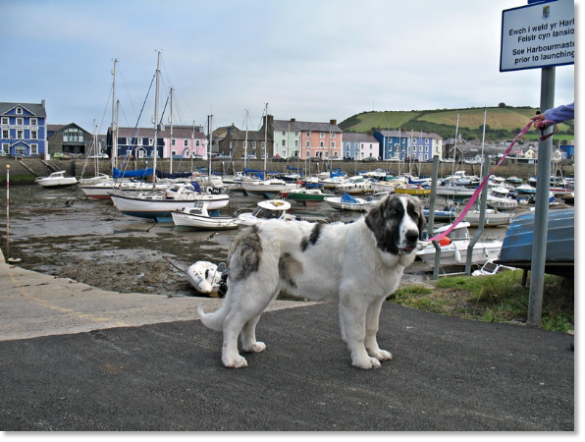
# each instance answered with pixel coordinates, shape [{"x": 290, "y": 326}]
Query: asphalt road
[{"x": 76, "y": 358}]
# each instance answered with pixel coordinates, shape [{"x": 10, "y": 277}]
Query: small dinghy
[{"x": 208, "y": 278}]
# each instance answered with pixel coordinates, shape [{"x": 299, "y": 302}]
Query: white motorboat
[
  {"x": 56, "y": 179},
  {"x": 526, "y": 189},
  {"x": 378, "y": 174},
  {"x": 265, "y": 210},
  {"x": 492, "y": 218},
  {"x": 454, "y": 248},
  {"x": 452, "y": 191},
  {"x": 269, "y": 188},
  {"x": 208, "y": 278},
  {"x": 198, "y": 217},
  {"x": 356, "y": 185},
  {"x": 348, "y": 202},
  {"x": 498, "y": 199}
]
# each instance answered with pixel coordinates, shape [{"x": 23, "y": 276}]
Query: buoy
[{"x": 444, "y": 241}]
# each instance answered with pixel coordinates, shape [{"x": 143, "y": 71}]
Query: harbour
[{"x": 61, "y": 232}]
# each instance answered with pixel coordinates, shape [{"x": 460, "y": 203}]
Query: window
[
  {"x": 263, "y": 144},
  {"x": 33, "y": 135},
  {"x": 185, "y": 143},
  {"x": 326, "y": 154},
  {"x": 296, "y": 143},
  {"x": 19, "y": 134},
  {"x": 308, "y": 144},
  {"x": 19, "y": 111},
  {"x": 5, "y": 120},
  {"x": 322, "y": 134},
  {"x": 150, "y": 141},
  {"x": 296, "y": 133},
  {"x": 20, "y": 150},
  {"x": 283, "y": 143},
  {"x": 333, "y": 144},
  {"x": 197, "y": 143},
  {"x": 6, "y": 148},
  {"x": 19, "y": 121},
  {"x": 33, "y": 122},
  {"x": 308, "y": 154},
  {"x": 308, "y": 133},
  {"x": 173, "y": 141},
  {"x": 283, "y": 133},
  {"x": 332, "y": 135},
  {"x": 253, "y": 144},
  {"x": 5, "y": 133},
  {"x": 34, "y": 149},
  {"x": 321, "y": 144}
]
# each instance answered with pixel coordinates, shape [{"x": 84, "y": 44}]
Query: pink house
[
  {"x": 186, "y": 141},
  {"x": 307, "y": 140}
]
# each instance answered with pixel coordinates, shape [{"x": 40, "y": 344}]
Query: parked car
[
  {"x": 60, "y": 156},
  {"x": 316, "y": 159},
  {"x": 279, "y": 158},
  {"x": 294, "y": 158},
  {"x": 221, "y": 158},
  {"x": 99, "y": 155},
  {"x": 370, "y": 159},
  {"x": 251, "y": 157}
]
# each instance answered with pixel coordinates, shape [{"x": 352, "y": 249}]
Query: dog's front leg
[
  {"x": 372, "y": 322},
  {"x": 352, "y": 315}
]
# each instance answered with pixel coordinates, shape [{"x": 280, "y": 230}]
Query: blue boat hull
[{"x": 560, "y": 248}]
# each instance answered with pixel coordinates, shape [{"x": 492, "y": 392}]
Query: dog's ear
[{"x": 421, "y": 223}]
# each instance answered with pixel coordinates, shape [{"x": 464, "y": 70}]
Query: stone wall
[{"x": 75, "y": 167}]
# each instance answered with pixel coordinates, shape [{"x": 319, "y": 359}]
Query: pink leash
[{"x": 485, "y": 181}]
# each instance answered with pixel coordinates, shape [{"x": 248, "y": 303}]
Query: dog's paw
[
  {"x": 381, "y": 355},
  {"x": 256, "y": 347},
  {"x": 235, "y": 362},
  {"x": 367, "y": 363}
]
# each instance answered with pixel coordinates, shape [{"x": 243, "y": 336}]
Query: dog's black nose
[{"x": 412, "y": 236}]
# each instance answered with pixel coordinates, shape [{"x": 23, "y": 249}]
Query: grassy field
[{"x": 501, "y": 122}]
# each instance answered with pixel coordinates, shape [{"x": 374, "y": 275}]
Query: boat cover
[
  {"x": 140, "y": 173},
  {"x": 347, "y": 198}
]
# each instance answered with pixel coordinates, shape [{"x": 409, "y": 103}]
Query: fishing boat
[
  {"x": 498, "y": 198},
  {"x": 448, "y": 214},
  {"x": 208, "y": 278},
  {"x": 56, "y": 179},
  {"x": 356, "y": 185},
  {"x": 268, "y": 188},
  {"x": 560, "y": 245},
  {"x": 454, "y": 248},
  {"x": 411, "y": 189},
  {"x": 348, "y": 202},
  {"x": 492, "y": 218},
  {"x": 199, "y": 217},
  {"x": 265, "y": 210},
  {"x": 305, "y": 196}
]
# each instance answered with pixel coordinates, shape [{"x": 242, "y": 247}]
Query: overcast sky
[{"x": 313, "y": 60}]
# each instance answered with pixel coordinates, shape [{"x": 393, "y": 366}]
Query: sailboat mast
[
  {"x": 114, "y": 137},
  {"x": 210, "y": 133},
  {"x": 455, "y": 145},
  {"x": 155, "y": 151},
  {"x": 171, "y": 141},
  {"x": 246, "y": 142},
  {"x": 265, "y": 138},
  {"x": 482, "y": 144}
]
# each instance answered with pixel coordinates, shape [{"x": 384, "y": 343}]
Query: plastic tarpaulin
[{"x": 140, "y": 173}]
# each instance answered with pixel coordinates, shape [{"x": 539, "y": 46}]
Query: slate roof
[
  {"x": 355, "y": 137},
  {"x": 34, "y": 108},
  {"x": 305, "y": 126}
]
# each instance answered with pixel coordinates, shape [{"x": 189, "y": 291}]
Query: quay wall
[{"x": 26, "y": 170}]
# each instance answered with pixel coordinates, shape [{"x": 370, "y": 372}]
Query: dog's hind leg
[
  {"x": 352, "y": 316},
  {"x": 248, "y": 337},
  {"x": 372, "y": 322}
]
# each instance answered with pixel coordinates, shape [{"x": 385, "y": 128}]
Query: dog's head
[{"x": 397, "y": 224}]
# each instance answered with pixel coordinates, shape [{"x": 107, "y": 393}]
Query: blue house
[
  {"x": 358, "y": 146},
  {"x": 24, "y": 129},
  {"x": 402, "y": 145}
]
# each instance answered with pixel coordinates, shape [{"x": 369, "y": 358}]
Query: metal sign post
[{"x": 540, "y": 35}]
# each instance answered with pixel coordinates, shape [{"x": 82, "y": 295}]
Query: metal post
[
  {"x": 431, "y": 223},
  {"x": 8, "y": 211},
  {"x": 547, "y": 98}
]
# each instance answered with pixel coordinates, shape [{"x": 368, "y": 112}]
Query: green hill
[{"x": 501, "y": 122}]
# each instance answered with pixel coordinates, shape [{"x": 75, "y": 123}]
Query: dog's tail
[{"x": 215, "y": 319}]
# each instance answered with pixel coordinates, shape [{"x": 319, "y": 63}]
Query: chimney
[
  {"x": 293, "y": 120},
  {"x": 333, "y": 122},
  {"x": 43, "y": 103}
]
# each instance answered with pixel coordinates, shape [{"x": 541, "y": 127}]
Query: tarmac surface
[{"x": 76, "y": 358}]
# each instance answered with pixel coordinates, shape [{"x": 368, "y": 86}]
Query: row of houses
[{"x": 26, "y": 133}]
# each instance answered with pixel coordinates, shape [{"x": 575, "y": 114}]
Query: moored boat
[
  {"x": 265, "y": 210},
  {"x": 306, "y": 196},
  {"x": 208, "y": 278},
  {"x": 56, "y": 179},
  {"x": 348, "y": 202},
  {"x": 198, "y": 217}
]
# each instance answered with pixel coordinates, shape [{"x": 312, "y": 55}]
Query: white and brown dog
[{"x": 358, "y": 265}]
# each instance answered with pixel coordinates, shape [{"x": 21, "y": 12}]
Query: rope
[{"x": 485, "y": 180}]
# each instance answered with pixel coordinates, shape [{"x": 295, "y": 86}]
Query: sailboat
[{"x": 158, "y": 205}]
